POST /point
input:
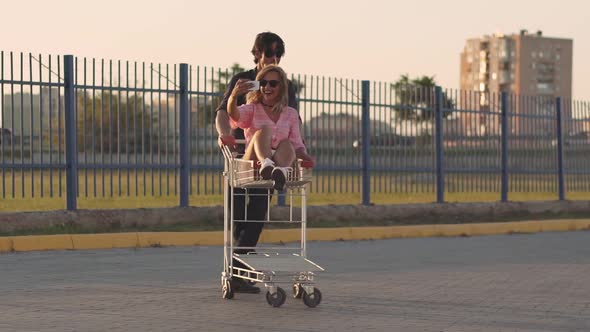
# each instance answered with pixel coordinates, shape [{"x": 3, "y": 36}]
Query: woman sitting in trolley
[{"x": 271, "y": 127}]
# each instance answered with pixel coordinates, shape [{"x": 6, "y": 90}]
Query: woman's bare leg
[
  {"x": 283, "y": 157},
  {"x": 259, "y": 148},
  {"x": 285, "y": 154}
]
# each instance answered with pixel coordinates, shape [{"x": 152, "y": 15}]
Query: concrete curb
[{"x": 162, "y": 239}]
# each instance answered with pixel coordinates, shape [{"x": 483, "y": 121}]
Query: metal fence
[{"x": 77, "y": 127}]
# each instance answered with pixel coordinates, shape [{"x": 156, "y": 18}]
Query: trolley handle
[
  {"x": 229, "y": 140},
  {"x": 307, "y": 163}
]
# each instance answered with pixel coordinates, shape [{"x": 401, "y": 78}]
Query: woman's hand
[
  {"x": 242, "y": 86},
  {"x": 302, "y": 154}
]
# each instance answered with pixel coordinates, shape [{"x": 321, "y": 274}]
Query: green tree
[
  {"x": 415, "y": 98},
  {"x": 220, "y": 84},
  {"x": 112, "y": 122},
  {"x": 206, "y": 106}
]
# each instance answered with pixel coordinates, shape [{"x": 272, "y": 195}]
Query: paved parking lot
[{"x": 537, "y": 282}]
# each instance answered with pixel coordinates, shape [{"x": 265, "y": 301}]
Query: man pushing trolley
[{"x": 274, "y": 266}]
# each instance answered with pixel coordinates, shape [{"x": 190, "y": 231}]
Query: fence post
[
  {"x": 366, "y": 138},
  {"x": 440, "y": 180},
  {"x": 70, "y": 128},
  {"x": 560, "y": 180},
  {"x": 504, "y": 147},
  {"x": 184, "y": 136},
  {"x": 281, "y": 198}
]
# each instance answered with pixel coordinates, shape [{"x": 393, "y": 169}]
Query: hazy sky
[{"x": 362, "y": 39}]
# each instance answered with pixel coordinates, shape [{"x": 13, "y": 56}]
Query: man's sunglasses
[
  {"x": 271, "y": 53},
  {"x": 273, "y": 83}
]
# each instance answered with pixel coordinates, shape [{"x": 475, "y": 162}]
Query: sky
[{"x": 376, "y": 40}]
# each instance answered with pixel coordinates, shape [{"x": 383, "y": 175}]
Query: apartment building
[
  {"x": 531, "y": 66},
  {"x": 28, "y": 114}
]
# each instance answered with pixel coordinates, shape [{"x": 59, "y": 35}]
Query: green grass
[
  {"x": 326, "y": 189},
  {"x": 133, "y": 202}
]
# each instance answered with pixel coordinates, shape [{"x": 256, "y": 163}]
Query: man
[{"x": 268, "y": 48}]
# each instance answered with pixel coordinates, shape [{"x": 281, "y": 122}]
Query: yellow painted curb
[
  {"x": 41, "y": 242},
  {"x": 162, "y": 239},
  {"x": 5, "y": 244}
]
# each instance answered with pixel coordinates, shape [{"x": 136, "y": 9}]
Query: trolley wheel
[
  {"x": 297, "y": 291},
  {"x": 226, "y": 291},
  {"x": 313, "y": 299},
  {"x": 277, "y": 299}
]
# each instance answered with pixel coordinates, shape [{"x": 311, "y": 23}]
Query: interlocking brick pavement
[{"x": 536, "y": 282}]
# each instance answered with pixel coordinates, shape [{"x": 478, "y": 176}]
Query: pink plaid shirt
[{"x": 253, "y": 118}]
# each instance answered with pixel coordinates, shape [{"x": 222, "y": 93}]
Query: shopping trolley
[{"x": 272, "y": 266}]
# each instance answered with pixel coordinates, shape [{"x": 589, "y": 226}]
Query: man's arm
[{"x": 222, "y": 118}]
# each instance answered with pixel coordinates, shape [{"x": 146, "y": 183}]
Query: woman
[{"x": 270, "y": 126}]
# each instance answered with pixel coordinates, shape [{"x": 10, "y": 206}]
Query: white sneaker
[
  {"x": 279, "y": 176},
  {"x": 266, "y": 167}
]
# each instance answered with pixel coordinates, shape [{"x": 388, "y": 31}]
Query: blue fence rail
[{"x": 78, "y": 127}]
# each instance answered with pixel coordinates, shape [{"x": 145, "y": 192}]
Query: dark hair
[{"x": 264, "y": 41}]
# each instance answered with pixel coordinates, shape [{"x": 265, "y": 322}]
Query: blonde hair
[{"x": 256, "y": 96}]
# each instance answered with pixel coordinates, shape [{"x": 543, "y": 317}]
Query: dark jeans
[{"x": 254, "y": 202}]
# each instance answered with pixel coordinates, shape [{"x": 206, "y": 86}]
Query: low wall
[{"x": 211, "y": 218}]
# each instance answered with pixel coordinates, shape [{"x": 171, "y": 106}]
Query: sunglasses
[
  {"x": 273, "y": 83},
  {"x": 271, "y": 53}
]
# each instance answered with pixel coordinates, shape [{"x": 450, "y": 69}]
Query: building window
[
  {"x": 534, "y": 55},
  {"x": 545, "y": 87}
]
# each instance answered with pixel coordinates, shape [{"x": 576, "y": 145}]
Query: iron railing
[{"x": 77, "y": 127}]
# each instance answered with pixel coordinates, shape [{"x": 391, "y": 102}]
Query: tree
[
  {"x": 112, "y": 122},
  {"x": 415, "y": 99},
  {"x": 206, "y": 106}
]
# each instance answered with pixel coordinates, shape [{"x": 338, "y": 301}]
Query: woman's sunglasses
[{"x": 273, "y": 83}]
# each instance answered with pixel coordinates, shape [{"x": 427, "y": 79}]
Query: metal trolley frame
[{"x": 271, "y": 265}]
